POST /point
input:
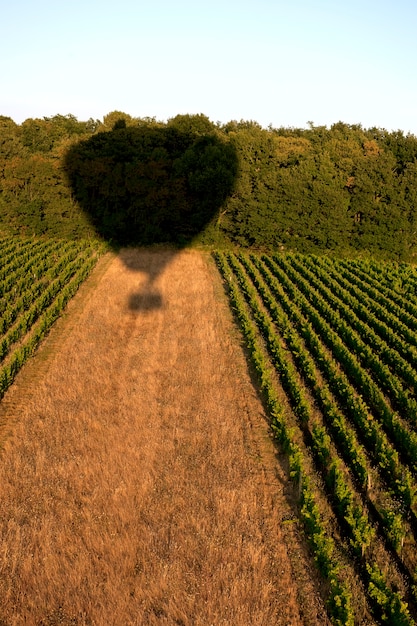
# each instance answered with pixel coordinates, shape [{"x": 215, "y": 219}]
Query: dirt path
[{"x": 138, "y": 484}]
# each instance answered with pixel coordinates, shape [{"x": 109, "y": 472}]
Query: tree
[{"x": 149, "y": 183}]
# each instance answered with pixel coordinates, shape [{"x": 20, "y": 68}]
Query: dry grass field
[{"x": 138, "y": 483}]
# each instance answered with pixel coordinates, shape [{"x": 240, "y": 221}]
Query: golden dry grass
[{"x": 137, "y": 484}]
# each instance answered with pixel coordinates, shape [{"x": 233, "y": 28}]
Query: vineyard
[
  {"x": 333, "y": 346},
  {"x": 37, "y": 279}
]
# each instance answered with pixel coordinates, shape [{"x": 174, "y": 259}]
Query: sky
[{"x": 284, "y": 63}]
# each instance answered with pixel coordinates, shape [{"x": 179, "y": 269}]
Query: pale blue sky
[{"x": 277, "y": 62}]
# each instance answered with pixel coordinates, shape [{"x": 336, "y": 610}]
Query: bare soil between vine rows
[{"x": 138, "y": 481}]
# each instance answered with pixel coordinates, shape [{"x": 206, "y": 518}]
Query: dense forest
[{"x": 343, "y": 190}]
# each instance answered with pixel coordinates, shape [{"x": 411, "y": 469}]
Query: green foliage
[
  {"x": 393, "y": 610},
  {"x": 152, "y": 183},
  {"x": 340, "y": 603},
  {"x": 343, "y": 190},
  {"x": 37, "y": 280},
  {"x": 340, "y": 606},
  {"x": 344, "y": 330},
  {"x": 334, "y": 190}
]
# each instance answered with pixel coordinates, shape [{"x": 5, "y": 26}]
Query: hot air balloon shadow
[{"x": 151, "y": 184}]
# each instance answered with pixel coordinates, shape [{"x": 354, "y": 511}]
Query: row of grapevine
[
  {"x": 30, "y": 267},
  {"x": 329, "y": 385},
  {"x": 355, "y": 357},
  {"x": 389, "y": 350},
  {"x": 405, "y": 307},
  {"x": 37, "y": 279},
  {"x": 394, "y": 343},
  {"x": 341, "y": 429},
  {"x": 324, "y": 548}
]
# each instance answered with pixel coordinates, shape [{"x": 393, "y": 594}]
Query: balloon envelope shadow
[{"x": 152, "y": 184}]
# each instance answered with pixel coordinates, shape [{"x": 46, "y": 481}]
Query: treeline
[{"x": 343, "y": 189}]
